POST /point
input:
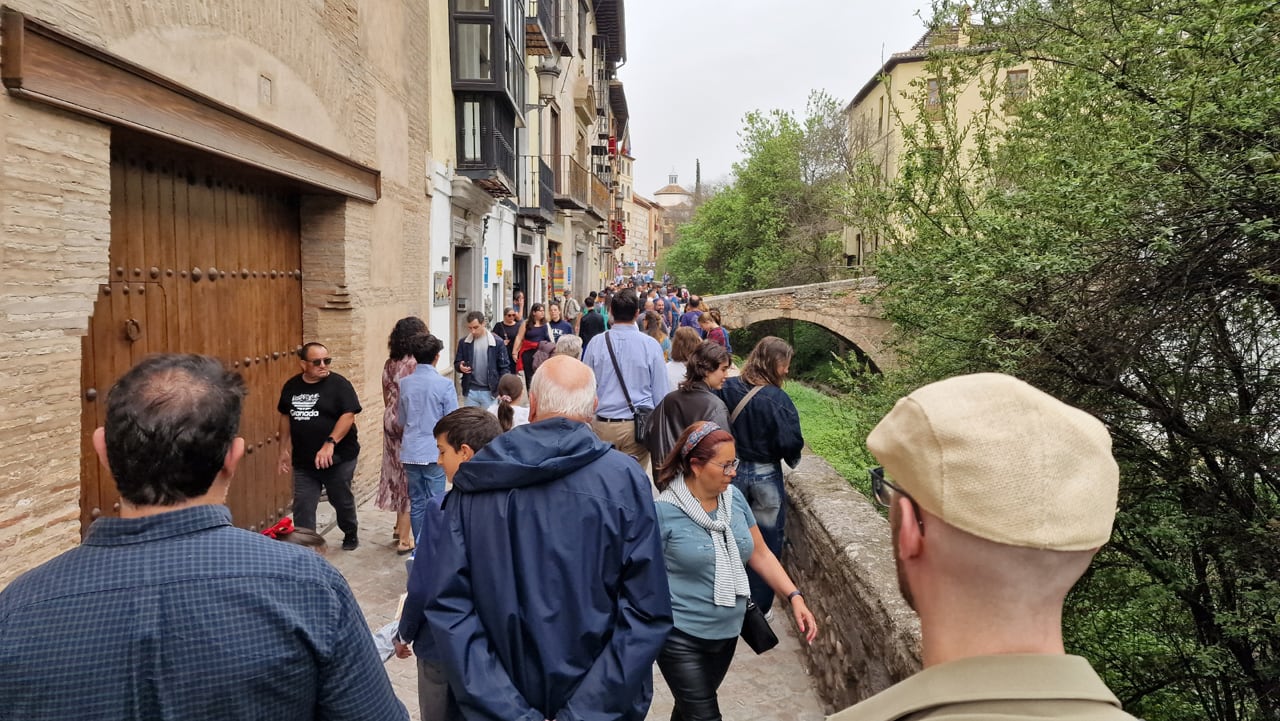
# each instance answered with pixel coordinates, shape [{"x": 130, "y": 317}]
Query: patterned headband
[{"x": 704, "y": 430}]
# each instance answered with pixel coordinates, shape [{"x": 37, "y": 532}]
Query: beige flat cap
[{"x": 995, "y": 457}]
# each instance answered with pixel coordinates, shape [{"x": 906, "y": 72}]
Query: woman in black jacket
[
  {"x": 693, "y": 401},
  {"x": 767, "y": 432}
]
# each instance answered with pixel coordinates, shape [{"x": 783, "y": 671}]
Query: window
[
  {"x": 880, "y": 125},
  {"x": 473, "y": 6},
  {"x": 582, "y": 28},
  {"x": 1017, "y": 86},
  {"x": 515, "y": 72},
  {"x": 471, "y": 132},
  {"x": 475, "y": 51},
  {"x": 933, "y": 100}
]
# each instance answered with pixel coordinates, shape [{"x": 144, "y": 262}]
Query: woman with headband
[{"x": 708, "y": 535}]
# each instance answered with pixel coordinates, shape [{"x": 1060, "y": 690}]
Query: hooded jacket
[{"x": 553, "y": 600}]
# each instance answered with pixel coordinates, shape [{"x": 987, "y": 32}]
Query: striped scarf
[{"x": 731, "y": 576}]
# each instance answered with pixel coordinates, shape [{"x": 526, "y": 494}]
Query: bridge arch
[{"x": 836, "y": 306}]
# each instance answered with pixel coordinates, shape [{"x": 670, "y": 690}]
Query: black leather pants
[{"x": 693, "y": 669}]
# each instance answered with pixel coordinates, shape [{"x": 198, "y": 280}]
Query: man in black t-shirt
[{"x": 318, "y": 442}]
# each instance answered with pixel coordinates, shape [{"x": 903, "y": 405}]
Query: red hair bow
[{"x": 283, "y": 528}]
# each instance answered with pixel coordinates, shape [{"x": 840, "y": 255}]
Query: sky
[{"x": 696, "y": 67}]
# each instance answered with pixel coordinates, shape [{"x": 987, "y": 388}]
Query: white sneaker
[{"x": 769, "y": 616}]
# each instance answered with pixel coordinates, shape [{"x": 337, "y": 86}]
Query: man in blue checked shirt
[{"x": 170, "y": 612}]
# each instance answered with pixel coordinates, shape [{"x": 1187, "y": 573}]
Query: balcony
[
  {"x": 572, "y": 188},
  {"x": 599, "y": 198},
  {"x": 537, "y": 191},
  {"x": 584, "y": 100},
  {"x": 495, "y": 171},
  {"x": 539, "y": 24}
]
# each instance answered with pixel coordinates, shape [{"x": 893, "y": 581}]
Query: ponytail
[{"x": 510, "y": 388}]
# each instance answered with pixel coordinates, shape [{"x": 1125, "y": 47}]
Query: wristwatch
[
  {"x": 793, "y": 594},
  {"x": 330, "y": 440}
]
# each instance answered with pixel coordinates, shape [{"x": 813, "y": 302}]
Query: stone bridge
[{"x": 837, "y": 306}]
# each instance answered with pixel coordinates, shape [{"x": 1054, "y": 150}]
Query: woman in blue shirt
[
  {"x": 708, "y": 534},
  {"x": 556, "y": 322}
]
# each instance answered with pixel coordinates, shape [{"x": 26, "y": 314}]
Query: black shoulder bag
[{"x": 640, "y": 416}]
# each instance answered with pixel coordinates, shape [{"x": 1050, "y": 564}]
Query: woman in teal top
[{"x": 708, "y": 535}]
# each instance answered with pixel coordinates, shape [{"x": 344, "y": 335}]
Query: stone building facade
[{"x": 317, "y": 141}]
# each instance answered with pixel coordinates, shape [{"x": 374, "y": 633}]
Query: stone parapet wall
[
  {"x": 829, "y": 290},
  {"x": 839, "y": 552}
]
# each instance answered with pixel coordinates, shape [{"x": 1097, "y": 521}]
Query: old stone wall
[
  {"x": 55, "y": 198},
  {"x": 839, "y": 306},
  {"x": 349, "y": 75},
  {"x": 839, "y": 552}
]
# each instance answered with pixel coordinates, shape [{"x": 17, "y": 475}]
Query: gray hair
[
  {"x": 570, "y": 345},
  {"x": 556, "y": 400}
]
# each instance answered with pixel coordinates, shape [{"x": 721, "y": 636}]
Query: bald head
[{"x": 563, "y": 386}]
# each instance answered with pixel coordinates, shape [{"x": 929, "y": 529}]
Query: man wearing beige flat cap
[{"x": 999, "y": 495}]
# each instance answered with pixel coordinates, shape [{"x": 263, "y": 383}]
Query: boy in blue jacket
[{"x": 458, "y": 436}]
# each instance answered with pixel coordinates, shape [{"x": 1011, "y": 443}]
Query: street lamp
[{"x": 548, "y": 70}]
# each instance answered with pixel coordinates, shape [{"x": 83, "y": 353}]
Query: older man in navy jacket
[{"x": 553, "y": 600}]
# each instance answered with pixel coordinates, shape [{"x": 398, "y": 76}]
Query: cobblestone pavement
[{"x": 771, "y": 687}]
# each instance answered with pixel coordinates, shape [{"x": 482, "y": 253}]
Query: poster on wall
[
  {"x": 441, "y": 288},
  {"x": 486, "y": 270}
]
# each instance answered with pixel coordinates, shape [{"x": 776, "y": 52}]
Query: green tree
[
  {"x": 1115, "y": 243},
  {"x": 778, "y": 221}
]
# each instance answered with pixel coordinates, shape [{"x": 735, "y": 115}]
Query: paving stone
[{"x": 772, "y": 687}]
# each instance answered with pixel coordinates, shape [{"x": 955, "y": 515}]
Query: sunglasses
[
  {"x": 880, "y": 490},
  {"x": 320, "y": 361}
]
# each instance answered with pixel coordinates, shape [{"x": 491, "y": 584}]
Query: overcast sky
[{"x": 696, "y": 67}]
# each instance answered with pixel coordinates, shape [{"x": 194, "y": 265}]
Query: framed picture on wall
[{"x": 441, "y": 289}]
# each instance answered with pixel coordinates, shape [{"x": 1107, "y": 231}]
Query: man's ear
[
  {"x": 533, "y": 408},
  {"x": 100, "y": 446},
  {"x": 909, "y": 535},
  {"x": 466, "y": 453},
  {"x": 232, "y": 459}
]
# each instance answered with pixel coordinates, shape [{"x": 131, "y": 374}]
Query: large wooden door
[{"x": 204, "y": 259}]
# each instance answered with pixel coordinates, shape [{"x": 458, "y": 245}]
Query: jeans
[
  {"x": 479, "y": 398},
  {"x": 693, "y": 669},
  {"x": 761, "y": 484},
  {"x": 336, "y": 480},
  {"x": 425, "y": 482}
]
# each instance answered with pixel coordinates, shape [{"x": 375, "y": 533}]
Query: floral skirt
[{"x": 393, "y": 489}]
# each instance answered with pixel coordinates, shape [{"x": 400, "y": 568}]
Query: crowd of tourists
[{"x": 617, "y": 499}]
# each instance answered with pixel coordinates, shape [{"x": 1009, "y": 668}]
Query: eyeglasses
[
  {"x": 317, "y": 362},
  {"x": 880, "y": 487},
  {"x": 511, "y": 315},
  {"x": 726, "y": 468}
]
